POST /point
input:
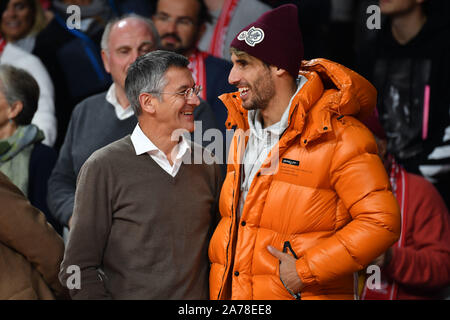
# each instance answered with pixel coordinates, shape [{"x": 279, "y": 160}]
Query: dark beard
[
  {"x": 171, "y": 47},
  {"x": 262, "y": 95},
  {"x": 179, "y": 50}
]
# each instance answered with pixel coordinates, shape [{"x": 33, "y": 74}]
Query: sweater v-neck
[{"x": 163, "y": 173}]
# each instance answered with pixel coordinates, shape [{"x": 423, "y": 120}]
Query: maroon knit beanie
[{"x": 274, "y": 38}]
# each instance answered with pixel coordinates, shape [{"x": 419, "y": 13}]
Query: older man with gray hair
[
  {"x": 108, "y": 116},
  {"x": 143, "y": 211}
]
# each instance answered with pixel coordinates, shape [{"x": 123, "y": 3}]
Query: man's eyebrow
[
  {"x": 175, "y": 17},
  {"x": 185, "y": 17},
  {"x": 184, "y": 87},
  {"x": 143, "y": 43},
  {"x": 241, "y": 60},
  {"x": 122, "y": 47},
  {"x": 161, "y": 13}
]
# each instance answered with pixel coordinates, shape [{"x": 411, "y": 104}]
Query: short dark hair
[
  {"x": 147, "y": 74},
  {"x": 38, "y": 16},
  {"x": 240, "y": 53},
  {"x": 203, "y": 15},
  {"x": 426, "y": 7},
  {"x": 18, "y": 85},
  {"x": 4, "y": 5}
]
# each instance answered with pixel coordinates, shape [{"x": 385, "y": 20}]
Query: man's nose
[
  {"x": 233, "y": 77},
  {"x": 194, "y": 100},
  {"x": 134, "y": 55},
  {"x": 171, "y": 26},
  {"x": 8, "y": 13}
]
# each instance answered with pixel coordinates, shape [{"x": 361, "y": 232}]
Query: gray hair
[
  {"x": 114, "y": 21},
  {"x": 18, "y": 85},
  {"x": 147, "y": 74}
]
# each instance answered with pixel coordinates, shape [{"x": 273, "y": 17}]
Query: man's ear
[
  {"x": 279, "y": 71},
  {"x": 105, "y": 59},
  {"x": 15, "y": 110},
  {"x": 148, "y": 102},
  {"x": 201, "y": 31}
]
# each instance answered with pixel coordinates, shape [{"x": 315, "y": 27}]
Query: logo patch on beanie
[{"x": 252, "y": 36}]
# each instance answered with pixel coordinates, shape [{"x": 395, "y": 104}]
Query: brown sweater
[{"x": 139, "y": 233}]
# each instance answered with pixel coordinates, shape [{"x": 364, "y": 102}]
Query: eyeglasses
[
  {"x": 182, "y": 21},
  {"x": 187, "y": 94}
]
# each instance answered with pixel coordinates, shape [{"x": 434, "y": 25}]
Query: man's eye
[
  {"x": 184, "y": 22},
  {"x": 242, "y": 64},
  {"x": 161, "y": 17},
  {"x": 145, "y": 50},
  {"x": 19, "y": 6}
]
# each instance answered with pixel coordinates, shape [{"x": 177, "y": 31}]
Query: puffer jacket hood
[
  {"x": 355, "y": 96},
  {"x": 328, "y": 199}
]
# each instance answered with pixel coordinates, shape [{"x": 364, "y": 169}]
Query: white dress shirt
[
  {"x": 142, "y": 144},
  {"x": 121, "y": 113}
]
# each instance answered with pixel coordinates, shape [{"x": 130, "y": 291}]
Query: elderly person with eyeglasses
[
  {"x": 106, "y": 117},
  {"x": 146, "y": 204}
]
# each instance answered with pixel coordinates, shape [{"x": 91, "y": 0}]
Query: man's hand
[{"x": 288, "y": 271}]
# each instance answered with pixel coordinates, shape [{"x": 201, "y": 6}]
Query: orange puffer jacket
[{"x": 329, "y": 198}]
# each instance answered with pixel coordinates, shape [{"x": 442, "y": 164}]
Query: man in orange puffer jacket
[{"x": 306, "y": 201}]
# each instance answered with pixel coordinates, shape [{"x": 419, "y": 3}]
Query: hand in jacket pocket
[{"x": 288, "y": 271}]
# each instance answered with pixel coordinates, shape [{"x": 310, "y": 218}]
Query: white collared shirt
[
  {"x": 142, "y": 144},
  {"x": 121, "y": 113}
]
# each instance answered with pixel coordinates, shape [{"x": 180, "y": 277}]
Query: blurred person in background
[
  {"x": 228, "y": 18},
  {"x": 408, "y": 62},
  {"x": 140, "y": 7},
  {"x": 20, "y": 22},
  {"x": 30, "y": 250},
  {"x": 23, "y": 158},
  {"x": 71, "y": 54},
  {"x": 418, "y": 265}
]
